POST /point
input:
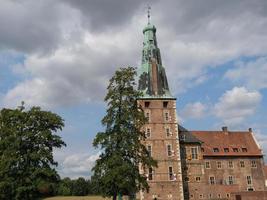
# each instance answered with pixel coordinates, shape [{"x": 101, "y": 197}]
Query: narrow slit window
[
  {"x": 166, "y": 116},
  {"x": 148, "y": 132},
  {"x": 168, "y": 132},
  {"x": 149, "y": 149},
  {"x": 150, "y": 174},
  {"x": 148, "y": 116},
  {"x": 171, "y": 177}
]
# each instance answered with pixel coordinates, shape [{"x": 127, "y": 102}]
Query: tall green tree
[
  {"x": 80, "y": 187},
  {"x": 117, "y": 169},
  {"x": 27, "y": 141}
]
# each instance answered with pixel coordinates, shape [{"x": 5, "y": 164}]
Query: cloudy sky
[{"x": 60, "y": 54}]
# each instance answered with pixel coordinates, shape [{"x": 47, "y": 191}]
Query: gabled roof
[
  {"x": 186, "y": 136},
  {"x": 228, "y": 143}
]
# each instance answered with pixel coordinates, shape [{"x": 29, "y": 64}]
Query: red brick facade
[{"x": 165, "y": 181}]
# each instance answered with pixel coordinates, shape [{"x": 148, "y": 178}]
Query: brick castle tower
[{"x": 162, "y": 137}]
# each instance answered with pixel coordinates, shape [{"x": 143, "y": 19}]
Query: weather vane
[{"x": 148, "y": 13}]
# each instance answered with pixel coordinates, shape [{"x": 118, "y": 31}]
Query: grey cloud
[
  {"x": 187, "y": 16},
  {"x": 73, "y": 74},
  {"x": 193, "y": 38},
  {"x": 34, "y": 26},
  {"x": 99, "y": 15}
]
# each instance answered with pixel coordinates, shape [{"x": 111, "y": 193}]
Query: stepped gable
[{"x": 228, "y": 143}]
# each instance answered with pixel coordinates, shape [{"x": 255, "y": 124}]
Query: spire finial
[{"x": 148, "y": 13}]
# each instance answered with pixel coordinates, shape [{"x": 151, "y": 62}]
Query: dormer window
[
  {"x": 182, "y": 137},
  {"x": 226, "y": 150},
  {"x": 215, "y": 150},
  {"x": 235, "y": 149},
  {"x": 244, "y": 150}
]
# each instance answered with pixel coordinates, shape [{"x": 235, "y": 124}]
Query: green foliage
[
  {"x": 117, "y": 169},
  {"x": 80, "y": 187},
  {"x": 76, "y": 187},
  {"x": 27, "y": 141},
  {"x": 65, "y": 187}
]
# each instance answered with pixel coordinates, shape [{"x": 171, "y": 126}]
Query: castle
[{"x": 192, "y": 164}]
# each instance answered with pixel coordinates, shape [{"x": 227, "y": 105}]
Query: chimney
[
  {"x": 225, "y": 129},
  {"x": 250, "y": 130}
]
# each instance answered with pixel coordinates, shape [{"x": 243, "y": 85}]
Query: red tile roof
[{"x": 243, "y": 141}]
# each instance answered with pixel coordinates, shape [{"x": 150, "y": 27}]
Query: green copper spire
[{"x": 152, "y": 77}]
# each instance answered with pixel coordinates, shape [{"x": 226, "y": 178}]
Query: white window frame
[
  {"x": 171, "y": 174},
  {"x": 210, "y": 180},
  {"x": 206, "y": 165},
  {"x": 198, "y": 177},
  {"x": 219, "y": 165},
  {"x": 148, "y": 128},
  {"x": 194, "y": 155},
  {"x": 243, "y": 164},
  {"x": 166, "y": 116},
  {"x": 232, "y": 164},
  {"x": 152, "y": 174},
  {"x": 230, "y": 180},
  {"x": 249, "y": 180},
  {"x": 168, "y": 131},
  {"x": 148, "y": 115},
  {"x": 171, "y": 150},
  {"x": 253, "y": 164},
  {"x": 149, "y": 145}
]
